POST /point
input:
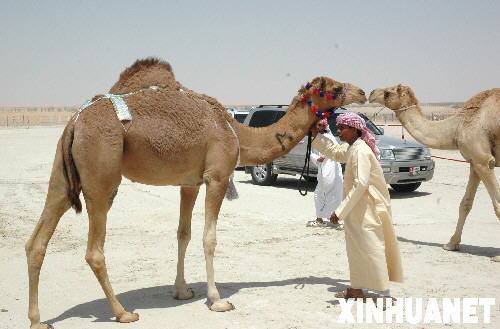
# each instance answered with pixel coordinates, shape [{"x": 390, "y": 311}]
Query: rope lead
[{"x": 307, "y": 161}]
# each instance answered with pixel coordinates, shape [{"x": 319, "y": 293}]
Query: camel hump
[
  {"x": 70, "y": 171},
  {"x": 477, "y": 101},
  {"x": 145, "y": 73},
  {"x": 143, "y": 64}
]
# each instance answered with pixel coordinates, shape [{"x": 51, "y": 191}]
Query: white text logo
[{"x": 417, "y": 310}]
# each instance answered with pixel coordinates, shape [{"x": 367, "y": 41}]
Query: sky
[{"x": 61, "y": 53}]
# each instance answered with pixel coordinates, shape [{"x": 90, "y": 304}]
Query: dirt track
[{"x": 277, "y": 272}]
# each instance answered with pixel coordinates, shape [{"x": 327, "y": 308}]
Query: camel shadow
[
  {"x": 162, "y": 297},
  {"x": 464, "y": 248}
]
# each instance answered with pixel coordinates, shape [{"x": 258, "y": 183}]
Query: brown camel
[
  {"x": 175, "y": 137},
  {"x": 474, "y": 130}
]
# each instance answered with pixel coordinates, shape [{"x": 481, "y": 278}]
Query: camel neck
[
  {"x": 440, "y": 134},
  {"x": 262, "y": 145}
]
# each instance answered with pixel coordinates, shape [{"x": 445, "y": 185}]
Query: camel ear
[
  {"x": 322, "y": 83},
  {"x": 400, "y": 90},
  {"x": 316, "y": 82},
  {"x": 319, "y": 82}
]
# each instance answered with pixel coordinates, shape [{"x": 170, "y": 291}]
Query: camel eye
[
  {"x": 338, "y": 89},
  {"x": 387, "y": 94}
]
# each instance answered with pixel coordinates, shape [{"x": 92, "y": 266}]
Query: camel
[
  {"x": 474, "y": 130},
  {"x": 175, "y": 137}
]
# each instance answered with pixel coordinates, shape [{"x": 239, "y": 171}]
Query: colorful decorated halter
[{"x": 321, "y": 93}]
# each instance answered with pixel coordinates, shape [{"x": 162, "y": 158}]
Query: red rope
[
  {"x": 448, "y": 159},
  {"x": 403, "y": 137}
]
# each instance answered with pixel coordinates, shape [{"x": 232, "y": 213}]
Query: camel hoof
[
  {"x": 496, "y": 259},
  {"x": 221, "y": 306},
  {"x": 127, "y": 317},
  {"x": 184, "y": 294},
  {"x": 451, "y": 246}
]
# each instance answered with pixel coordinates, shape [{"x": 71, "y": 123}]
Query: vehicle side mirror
[{"x": 382, "y": 130}]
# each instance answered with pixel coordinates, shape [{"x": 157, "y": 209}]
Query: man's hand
[
  {"x": 320, "y": 126},
  {"x": 321, "y": 158}
]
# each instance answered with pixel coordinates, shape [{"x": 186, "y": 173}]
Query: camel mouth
[
  {"x": 376, "y": 96},
  {"x": 361, "y": 101},
  {"x": 376, "y": 101},
  {"x": 359, "y": 96}
]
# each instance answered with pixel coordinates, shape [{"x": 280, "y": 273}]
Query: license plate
[{"x": 414, "y": 171}]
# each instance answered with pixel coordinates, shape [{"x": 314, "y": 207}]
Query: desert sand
[{"x": 278, "y": 272}]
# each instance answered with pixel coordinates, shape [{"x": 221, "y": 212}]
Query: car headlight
[
  {"x": 387, "y": 154},
  {"x": 427, "y": 153}
]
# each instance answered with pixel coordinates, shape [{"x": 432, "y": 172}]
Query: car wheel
[
  {"x": 263, "y": 174},
  {"x": 405, "y": 187}
]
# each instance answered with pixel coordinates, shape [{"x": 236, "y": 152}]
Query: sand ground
[{"x": 277, "y": 272}]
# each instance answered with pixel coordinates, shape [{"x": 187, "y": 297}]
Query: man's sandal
[
  {"x": 350, "y": 293},
  {"x": 315, "y": 223},
  {"x": 334, "y": 222}
]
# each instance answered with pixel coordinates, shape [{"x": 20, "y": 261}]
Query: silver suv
[
  {"x": 238, "y": 114},
  {"x": 406, "y": 164}
]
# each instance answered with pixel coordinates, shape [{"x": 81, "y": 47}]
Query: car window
[
  {"x": 279, "y": 115},
  {"x": 265, "y": 118},
  {"x": 240, "y": 117},
  {"x": 369, "y": 123},
  {"x": 333, "y": 125}
]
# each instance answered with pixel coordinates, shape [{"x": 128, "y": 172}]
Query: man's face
[{"x": 347, "y": 134}]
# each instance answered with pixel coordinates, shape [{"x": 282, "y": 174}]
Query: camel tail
[
  {"x": 231, "y": 192},
  {"x": 71, "y": 175}
]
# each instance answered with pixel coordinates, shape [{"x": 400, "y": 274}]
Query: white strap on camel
[{"x": 120, "y": 106}]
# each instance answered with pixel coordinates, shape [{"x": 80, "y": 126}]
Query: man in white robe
[
  {"x": 328, "y": 192},
  {"x": 371, "y": 243}
]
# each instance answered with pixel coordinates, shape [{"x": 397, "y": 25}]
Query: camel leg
[
  {"x": 488, "y": 177},
  {"x": 487, "y": 174},
  {"x": 465, "y": 208},
  {"x": 188, "y": 198},
  {"x": 56, "y": 204},
  {"x": 98, "y": 204},
  {"x": 213, "y": 201}
]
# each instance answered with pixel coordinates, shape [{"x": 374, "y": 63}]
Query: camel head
[
  {"x": 395, "y": 97},
  {"x": 324, "y": 93}
]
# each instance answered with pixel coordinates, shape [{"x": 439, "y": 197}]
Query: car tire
[
  {"x": 263, "y": 174},
  {"x": 406, "y": 187}
]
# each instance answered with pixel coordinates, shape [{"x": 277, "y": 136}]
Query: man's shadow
[{"x": 162, "y": 297}]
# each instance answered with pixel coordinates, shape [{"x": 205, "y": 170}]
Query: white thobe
[
  {"x": 371, "y": 243},
  {"x": 328, "y": 192}
]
